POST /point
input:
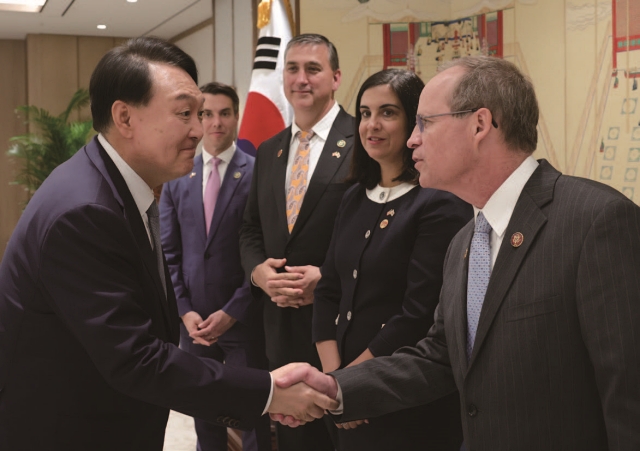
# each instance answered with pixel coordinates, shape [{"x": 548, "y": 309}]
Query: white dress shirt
[
  {"x": 320, "y": 134},
  {"x": 225, "y": 158},
  {"x": 142, "y": 194}
]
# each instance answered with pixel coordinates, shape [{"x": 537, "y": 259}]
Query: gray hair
[
  {"x": 499, "y": 86},
  {"x": 316, "y": 39}
]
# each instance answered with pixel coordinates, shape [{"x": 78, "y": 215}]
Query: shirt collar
[
  {"x": 140, "y": 191},
  {"x": 323, "y": 126},
  {"x": 500, "y": 206},
  {"x": 225, "y": 156},
  {"x": 381, "y": 195}
]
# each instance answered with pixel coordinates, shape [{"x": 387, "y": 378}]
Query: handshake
[{"x": 301, "y": 394}]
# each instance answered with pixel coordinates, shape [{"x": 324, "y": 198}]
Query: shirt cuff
[
  {"x": 253, "y": 283},
  {"x": 340, "y": 408},
  {"x": 266, "y": 408}
]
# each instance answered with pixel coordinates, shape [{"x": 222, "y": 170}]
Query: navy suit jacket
[
  {"x": 88, "y": 355},
  {"x": 205, "y": 270}
]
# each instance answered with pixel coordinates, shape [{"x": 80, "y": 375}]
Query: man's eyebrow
[{"x": 185, "y": 96}]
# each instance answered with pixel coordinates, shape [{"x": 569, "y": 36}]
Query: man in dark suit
[
  {"x": 220, "y": 318},
  {"x": 290, "y": 213},
  {"x": 88, "y": 318},
  {"x": 536, "y": 325}
]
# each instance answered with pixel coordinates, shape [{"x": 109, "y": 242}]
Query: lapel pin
[
  {"x": 384, "y": 223},
  {"x": 192, "y": 175},
  {"x": 279, "y": 153},
  {"x": 391, "y": 212},
  {"x": 342, "y": 143},
  {"x": 517, "y": 239},
  {"x": 237, "y": 175},
  {"x": 336, "y": 154},
  {"x": 466, "y": 252}
]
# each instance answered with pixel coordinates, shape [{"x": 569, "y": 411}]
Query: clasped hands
[
  {"x": 302, "y": 394},
  {"x": 292, "y": 288}
]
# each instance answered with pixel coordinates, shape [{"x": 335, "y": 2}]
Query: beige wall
[{"x": 43, "y": 70}]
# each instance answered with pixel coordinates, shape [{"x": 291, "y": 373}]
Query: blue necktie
[{"x": 479, "y": 273}]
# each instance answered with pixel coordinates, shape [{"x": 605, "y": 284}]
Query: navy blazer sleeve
[{"x": 89, "y": 271}]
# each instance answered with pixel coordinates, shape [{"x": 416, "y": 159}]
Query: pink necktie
[
  {"x": 211, "y": 191},
  {"x": 298, "y": 185}
]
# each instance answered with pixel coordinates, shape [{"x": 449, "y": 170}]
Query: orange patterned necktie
[{"x": 298, "y": 185}]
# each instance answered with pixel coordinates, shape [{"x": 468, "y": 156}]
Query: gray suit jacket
[{"x": 556, "y": 361}]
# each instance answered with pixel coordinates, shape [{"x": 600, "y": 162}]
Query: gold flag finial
[{"x": 264, "y": 13}]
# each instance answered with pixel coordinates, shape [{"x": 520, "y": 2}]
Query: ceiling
[{"x": 163, "y": 18}]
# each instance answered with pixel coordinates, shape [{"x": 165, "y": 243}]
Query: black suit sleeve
[
  {"x": 91, "y": 274},
  {"x": 608, "y": 303},
  {"x": 252, "y": 249}
]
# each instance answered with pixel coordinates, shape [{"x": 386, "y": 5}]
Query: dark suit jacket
[
  {"x": 205, "y": 270},
  {"x": 556, "y": 361},
  {"x": 87, "y": 338},
  {"x": 265, "y": 233},
  {"x": 391, "y": 301}
]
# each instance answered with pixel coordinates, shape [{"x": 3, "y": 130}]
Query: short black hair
[
  {"x": 316, "y": 39},
  {"x": 215, "y": 88},
  {"x": 407, "y": 86},
  {"x": 123, "y": 74}
]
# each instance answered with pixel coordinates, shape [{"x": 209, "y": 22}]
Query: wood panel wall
[
  {"x": 13, "y": 92},
  {"x": 43, "y": 70}
]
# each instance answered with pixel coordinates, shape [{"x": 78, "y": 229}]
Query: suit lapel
[
  {"x": 232, "y": 177},
  {"x": 331, "y": 158},
  {"x": 121, "y": 191},
  {"x": 528, "y": 219},
  {"x": 279, "y": 176},
  {"x": 194, "y": 197}
]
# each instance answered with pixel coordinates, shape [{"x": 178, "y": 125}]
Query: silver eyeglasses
[{"x": 420, "y": 118}]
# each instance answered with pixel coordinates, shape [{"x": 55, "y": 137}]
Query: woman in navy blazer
[{"x": 383, "y": 272}]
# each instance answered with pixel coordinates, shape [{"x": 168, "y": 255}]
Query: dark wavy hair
[
  {"x": 407, "y": 86},
  {"x": 123, "y": 74}
]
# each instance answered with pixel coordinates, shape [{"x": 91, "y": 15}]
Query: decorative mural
[{"x": 583, "y": 57}]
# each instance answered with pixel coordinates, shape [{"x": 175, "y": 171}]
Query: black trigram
[{"x": 267, "y": 53}]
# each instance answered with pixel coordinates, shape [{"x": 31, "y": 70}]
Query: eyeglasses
[{"x": 420, "y": 118}]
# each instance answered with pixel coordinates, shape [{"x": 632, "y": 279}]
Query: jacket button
[
  {"x": 349, "y": 315},
  {"x": 287, "y": 252},
  {"x": 355, "y": 273},
  {"x": 366, "y": 235},
  {"x": 472, "y": 410}
]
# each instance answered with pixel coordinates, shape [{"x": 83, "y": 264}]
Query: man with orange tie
[
  {"x": 295, "y": 193},
  {"x": 201, "y": 215}
]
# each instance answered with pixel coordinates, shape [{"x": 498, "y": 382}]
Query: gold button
[
  {"x": 355, "y": 273},
  {"x": 349, "y": 315},
  {"x": 366, "y": 235}
]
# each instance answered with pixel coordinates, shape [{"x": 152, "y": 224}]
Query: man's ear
[
  {"x": 121, "y": 115},
  {"x": 482, "y": 123},
  {"x": 337, "y": 79}
]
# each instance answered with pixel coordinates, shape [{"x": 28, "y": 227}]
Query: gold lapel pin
[
  {"x": 336, "y": 154},
  {"x": 237, "y": 175},
  {"x": 391, "y": 212},
  {"x": 384, "y": 223},
  {"x": 279, "y": 153},
  {"x": 517, "y": 239},
  {"x": 342, "y": 143},
  {"x": 192, "y": 175}
]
